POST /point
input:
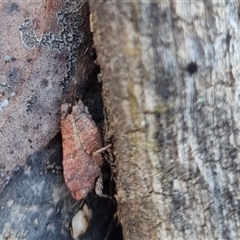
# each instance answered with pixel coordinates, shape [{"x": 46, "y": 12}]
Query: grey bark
[{"x": 170, "y": 72}]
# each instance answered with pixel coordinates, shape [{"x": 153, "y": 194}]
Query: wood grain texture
[{"x": 170, "y": 72}]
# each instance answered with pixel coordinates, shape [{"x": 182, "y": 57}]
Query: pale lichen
[
  {"x": 28, "y": 35},
  {"x": 4, "y": 104},
  {"x": 69, "y": 39}
]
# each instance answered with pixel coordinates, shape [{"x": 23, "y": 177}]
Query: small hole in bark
[{"x": 192, "y": 68}]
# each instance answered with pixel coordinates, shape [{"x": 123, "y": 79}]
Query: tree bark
[{"x": 170, "y": 72}]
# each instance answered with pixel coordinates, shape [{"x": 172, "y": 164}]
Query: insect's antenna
[{"x": 103, "y": 149}]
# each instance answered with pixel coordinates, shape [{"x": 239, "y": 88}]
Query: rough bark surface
[{"x": 171, "y": 78}]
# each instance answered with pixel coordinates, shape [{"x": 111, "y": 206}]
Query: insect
[
  {"x": 82, "y": 144},
  {"x": 82, "y": 161}
]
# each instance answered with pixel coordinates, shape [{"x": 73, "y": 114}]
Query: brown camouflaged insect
[{"x": 81, "y": 142}]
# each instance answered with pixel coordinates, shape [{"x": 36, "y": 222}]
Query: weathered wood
[{"x": 170, "y": 72}]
